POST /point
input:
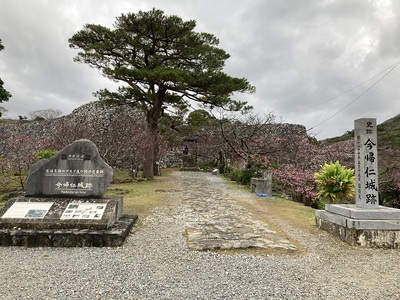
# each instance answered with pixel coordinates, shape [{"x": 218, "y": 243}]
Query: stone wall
[
  {"x": 100, "y": 119},
  {"x": 62, "y": 131},
  {"x": 98, "y": 115}
]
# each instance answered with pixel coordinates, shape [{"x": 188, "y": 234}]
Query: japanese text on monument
[{"x": 366, "y": 163}]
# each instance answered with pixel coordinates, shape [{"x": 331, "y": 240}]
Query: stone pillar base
[{"x": 375, "y": 228}]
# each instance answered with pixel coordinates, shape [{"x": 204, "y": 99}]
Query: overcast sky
[{"x": 300, "y": 55}]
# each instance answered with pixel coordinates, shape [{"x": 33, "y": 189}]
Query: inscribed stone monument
[
  {"x": 366, "y": 163},
  {"x": 76, "y": 171},
  {"x": 365, "y": 223},
  {"x": 64, "y": 205}
]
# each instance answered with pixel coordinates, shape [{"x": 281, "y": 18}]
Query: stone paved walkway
[{"x": 214, "y": 220}]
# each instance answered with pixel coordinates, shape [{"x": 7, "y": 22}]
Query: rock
[{"x": 76, "y": 171}]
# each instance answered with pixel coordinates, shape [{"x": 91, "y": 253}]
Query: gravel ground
[{"x": 155, "y": 264}]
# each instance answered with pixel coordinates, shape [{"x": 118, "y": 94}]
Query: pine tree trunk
[
  {"x": 149, "y": 160},
  {"x": 153, "y": 116},
  {"x": 149, "y": 170}
]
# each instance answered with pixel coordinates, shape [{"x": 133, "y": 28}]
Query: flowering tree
[
  {"x": 298, "y": 183},
  {"x": 19, "y": 155},
  {"x": 389, "y": 177},
  {"x": 119, "y": 133},
  {"x": 296, "y": 173},
  {"x": 247, "y": 137}
]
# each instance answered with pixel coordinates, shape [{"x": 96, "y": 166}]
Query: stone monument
[
  {"x": 366, "y": 223},
  {"x": 64, "y": 203},
  {"x": 189, "y": 155},
  {"x": 262, "y": 186},
  {"x": 77, "y": 171}
]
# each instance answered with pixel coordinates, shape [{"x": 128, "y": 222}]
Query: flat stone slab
[
  {"x": 351, "y": 211},
  {"x": 112, "y": 237},
  {"x": 214, "y": 221},
  {"x": 61, "y": 213},
  {"x": 350, "y": 216}
]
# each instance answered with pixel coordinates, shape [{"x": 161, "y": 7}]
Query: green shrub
[
  {"x": 42, "y": 154},
  {"x": 207, "y": 164},
  {"x": 243, "y": 176},
  {"x": 321, "y": 204},
  {"x": 389, "y": 194},
  {"x": 246, "y": 176},
  {"x": 235, "y": 174},
  {"x": 335, "y": 182}
]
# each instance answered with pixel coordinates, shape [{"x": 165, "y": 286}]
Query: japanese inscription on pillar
[{"x": 366, "y": 163}]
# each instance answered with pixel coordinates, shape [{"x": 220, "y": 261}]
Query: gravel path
[{"x": 155, "y": 264}]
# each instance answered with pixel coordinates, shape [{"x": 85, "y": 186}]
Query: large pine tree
[{"x": 164, "y": 64}]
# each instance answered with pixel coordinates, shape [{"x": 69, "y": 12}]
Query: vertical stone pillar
[{"x": 366, "y": 163}]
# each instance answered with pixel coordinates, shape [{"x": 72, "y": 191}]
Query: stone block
[
  {"x": 372, "y": 238},
  {"x": 262, "y": 185},
  {"x": 64, "y": 204},
  {"x": 333, "y": 218},
  {"x": 374, "y": 224},
  {"x": 112, "y": 237},
  {"x": 61, "y": 213},
  {"x": 353, "y": 212},
  {"x": 76, "y": 171}
]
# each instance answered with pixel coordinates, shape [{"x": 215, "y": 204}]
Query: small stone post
[{"x": 366, "y": 163}]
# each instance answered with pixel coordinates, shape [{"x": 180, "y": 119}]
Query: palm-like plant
[{"x": 335, "y": 182}]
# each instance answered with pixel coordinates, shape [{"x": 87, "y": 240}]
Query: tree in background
[
  {"x": 119, "y": 133},
  {"x": 4, "y": 94},
  {"x": 45, "y": 114},
  {"x": 164, "y": 64},
  {"x": 19, "y": 154},
  {"x": 3, "y": 111},
  {"x": 246, "y": 138},
  {"x": 389, "y": 177},
  {"x": 296, "y": 174}
]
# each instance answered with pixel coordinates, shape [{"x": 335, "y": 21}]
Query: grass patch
[
  {"x": 295, "y": 213},
  {"x": 141, "y": 196},
  {"x": 284, "y": 216},
  {"x": 7, "y": 187},
  {"x": 121, "y": 176},
  {"x": 2, "y": 202}
]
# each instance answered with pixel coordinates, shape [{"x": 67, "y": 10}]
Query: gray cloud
[{"x": 296, "y": 53}]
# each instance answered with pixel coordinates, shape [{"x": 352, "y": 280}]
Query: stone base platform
[
  {"x": 112, "y": 237},
  {"x": 64, "y": 222},
  {"x": 378, "y": 228},
  {"x": 189, "y": 164}
]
